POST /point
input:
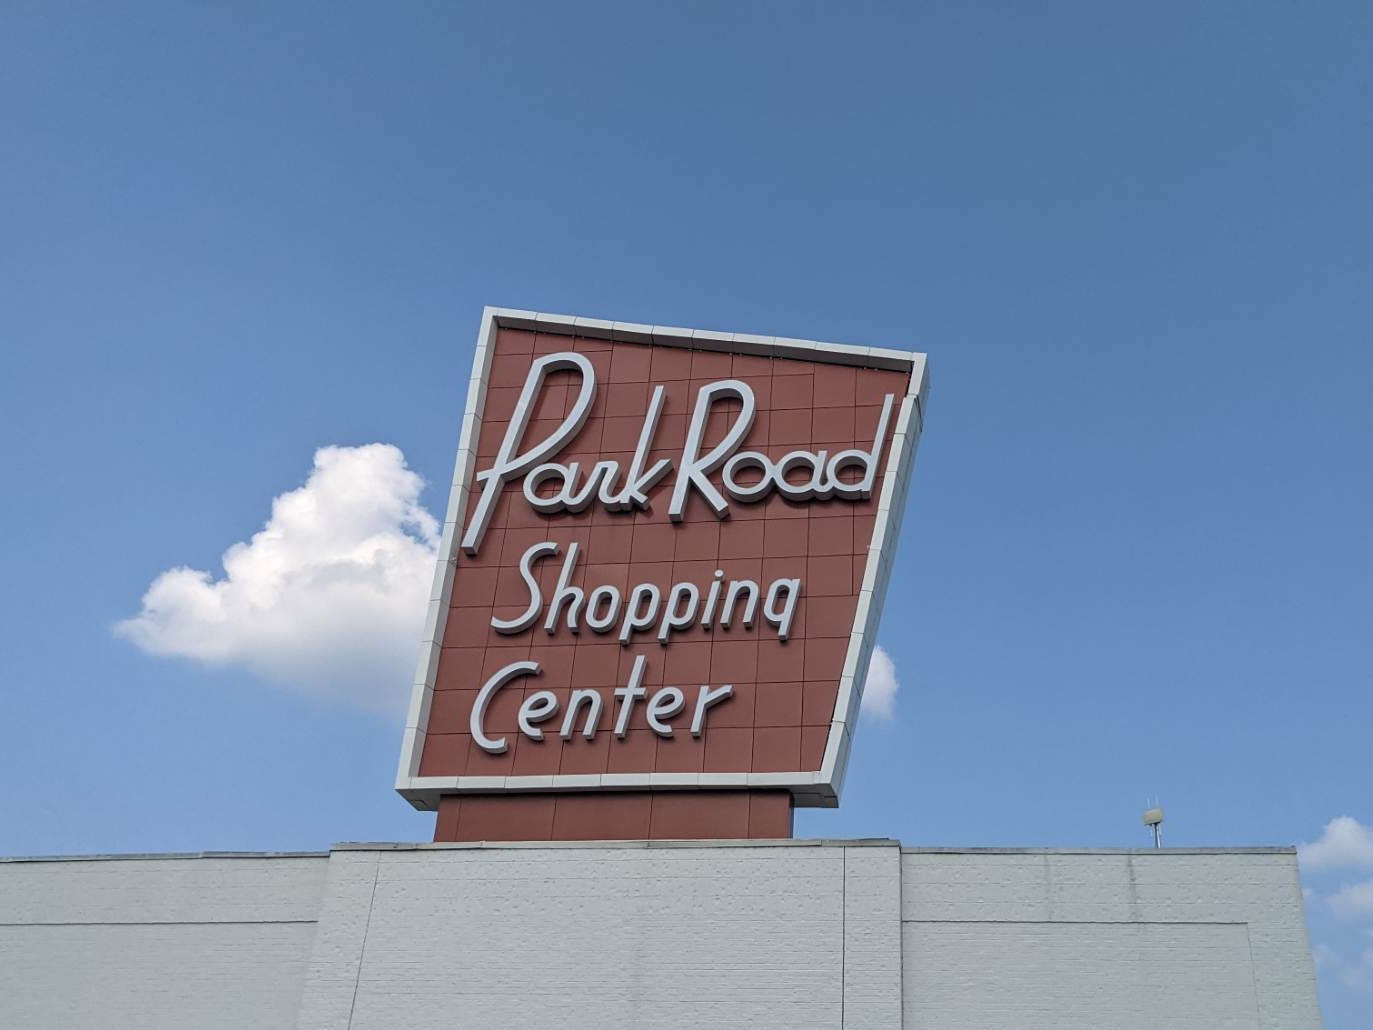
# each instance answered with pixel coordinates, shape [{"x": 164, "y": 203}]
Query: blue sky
[{"x": 1136, "y": 240}]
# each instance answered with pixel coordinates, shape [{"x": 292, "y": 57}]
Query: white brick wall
[
  {"x": 799, "y": 934},
  {"x": 1105, "y": 940},
  {"x": 156, "y": 943},
  {"x": 609, "y": 937},
  {"x": 1079, "y": 976},
  {"x": 872, "y": 938}
]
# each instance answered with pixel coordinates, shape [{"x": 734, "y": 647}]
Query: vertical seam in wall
[
  {"x": 901, "y": 936},
  {"x": 1253, "y": 977},
  {"x": 362, "y": 952},
  {"x": 844, "y": 937}
]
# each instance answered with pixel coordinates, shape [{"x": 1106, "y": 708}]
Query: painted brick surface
[
  {"x": 789, "y": 934},
  {"x": 600, "y": 937},
  {"x": 1079, "y": 976},
  {"x": 191, "y": 889},
  {"x": 1154, "y": 914},
  {"x": 872, "y": 938},
  {"x": 110, "y": 977},
  {"x": 156, "y": 943},
  {"x": 336, "y": 958}
]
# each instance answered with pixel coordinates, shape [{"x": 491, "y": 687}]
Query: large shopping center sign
[{"x": 660, "y": 579}]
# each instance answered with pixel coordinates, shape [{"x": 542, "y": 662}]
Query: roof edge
[{"x": 160, "y": 856}]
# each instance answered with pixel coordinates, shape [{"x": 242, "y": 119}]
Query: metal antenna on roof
[{"x": 1153, "y": 818}]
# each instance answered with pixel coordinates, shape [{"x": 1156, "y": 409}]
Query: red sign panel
[{"x": 663, "y": 565}]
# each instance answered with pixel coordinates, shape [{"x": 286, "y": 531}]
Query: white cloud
[
  {"x": 327, "y": 598},
  {"x": 1345, "y": 843},
  {"x": 1353, "y": 902},
  {"x": 879, "y": 695}
]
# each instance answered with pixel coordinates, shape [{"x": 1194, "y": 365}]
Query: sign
[{"x": 662, "y": 566}]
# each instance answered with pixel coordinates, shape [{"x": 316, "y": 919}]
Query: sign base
[{"x": 628, "y": 815}]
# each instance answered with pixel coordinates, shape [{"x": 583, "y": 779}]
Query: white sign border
[{"x": 809, "y": 789}]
